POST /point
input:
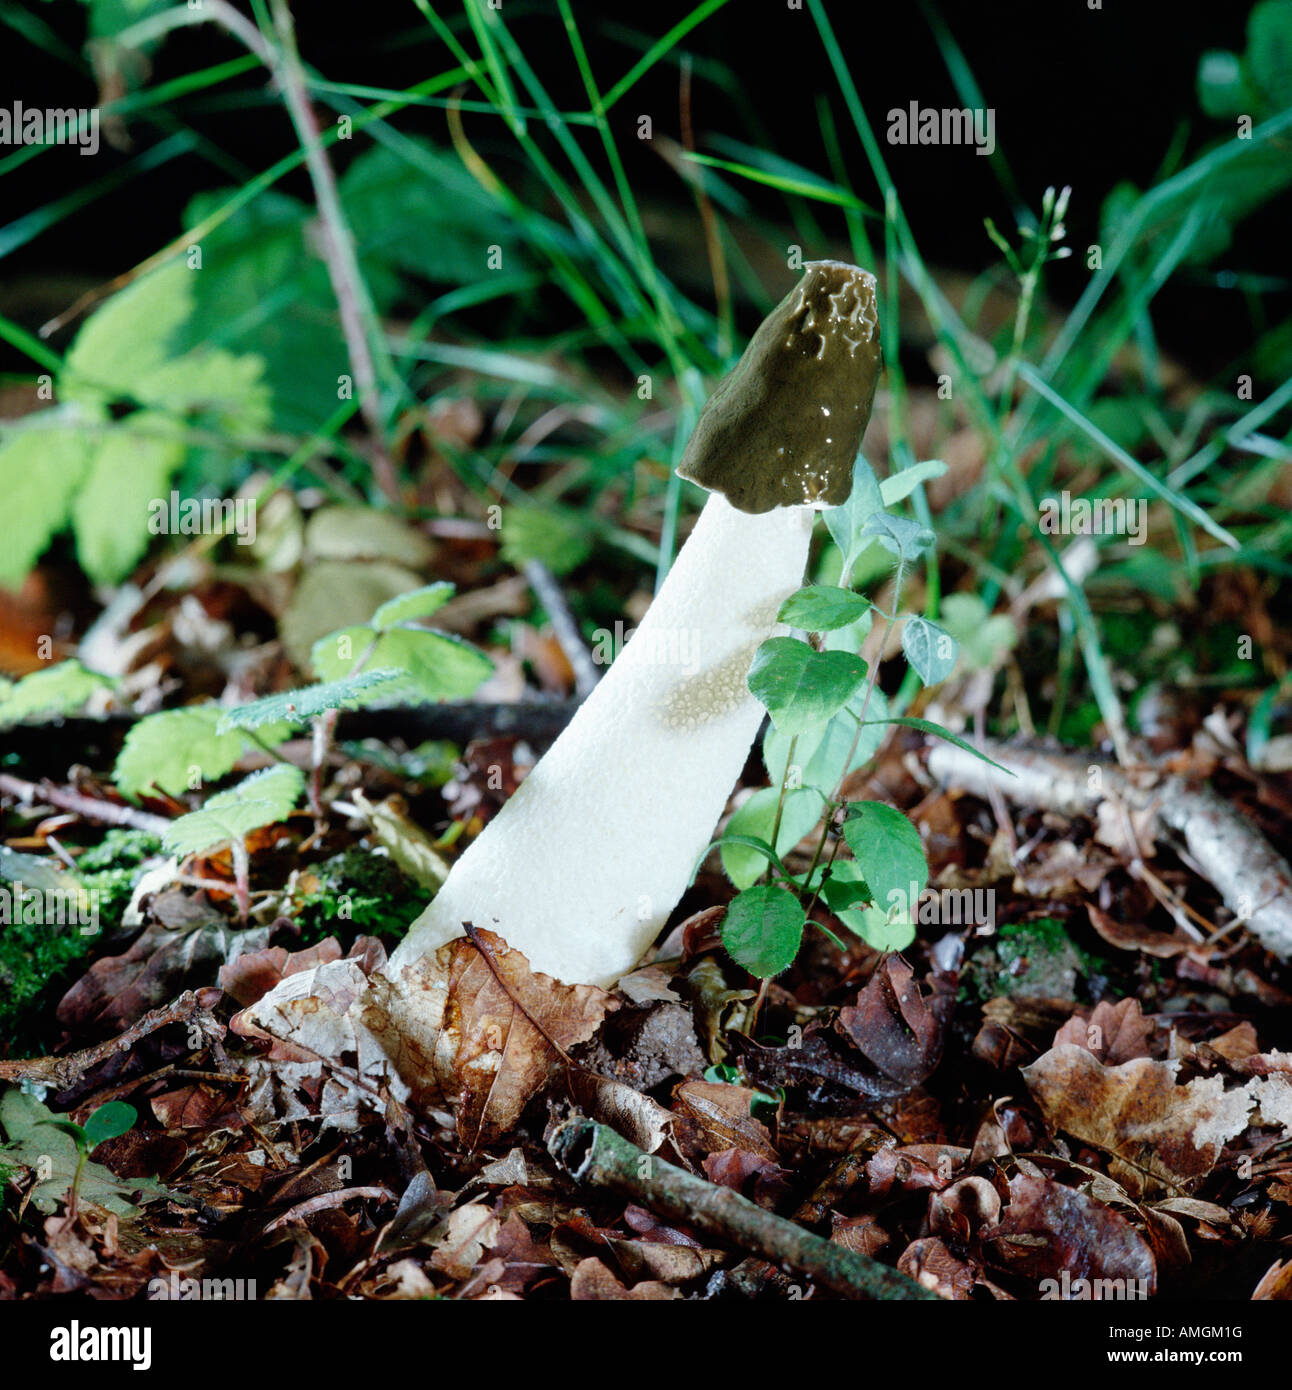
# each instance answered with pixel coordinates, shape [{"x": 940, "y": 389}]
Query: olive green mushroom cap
[{"x": 784, "y": 425}]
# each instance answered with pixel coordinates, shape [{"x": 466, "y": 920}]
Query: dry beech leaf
[
  {"x": 1134, "y": 936},
  {"x": 1048, "y": 1228},
  {"x": 930, "y": 1263},
  {"x": 593, "y": 1282},
  {"x": 628, "y": 1111},
  {"x": 1157, "y": 1133},
  {"x": 1276, "y": 1282},
  {"x": 898, "y": 1029},
  {"x": 722, "y": 1115},
  {"x": 1114, "y": 1033},
  {"x": 479, "y": 1032}
]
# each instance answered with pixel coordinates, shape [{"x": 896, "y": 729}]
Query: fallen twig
[
  {"x": 323, "y": 1201},
  {"x": 61, "y": 1072},
  {"x": 544, "y": 584},
  {"x": 87, "y": 807},
  {"x": 593, "y": 1153},
  {"x": 1254, "y": 880}
]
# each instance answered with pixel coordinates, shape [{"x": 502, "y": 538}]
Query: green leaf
[
  {"x": 900, "y": 486},
  {"x": 558, "y": 539},
  {"x": 801, "y": 687},
  {"x": 133, "y": 465},
  {"x": 37, "y": 1140},
  {"x": 162, "y": 750},
  {"x": 985, "y": 639},
  {"x": 1269, "y": 51},
  {"x": 430, "y": 665},
  {"x": 823, "y": 608},
  {"x": 1223, "y": 89},
  {"x": 263, "y": 288},
  {"x": 62, "y": 689},
  {"x": 40, "y": 470},
  {"x": 262, "y": 799},
  {"x": 819, "y": 753},
  {"x": 297, "y": 707},
  {"x": 752, "y": 841},
  {"x": 928, "y": 727},
  {"x": 128, "y": 337},
  {"x": 845, "y": 887},
  {"x": 888, "y": 852},
  {"x": 363, "y": 533},
  {"x": 412, "y": 607},
  {"x": 848, "y": 896},
  {"x": 227, "y": 392},
  {"x": 416, "y": 209},
  {"x": 756, "y": 816},
  {"x": 931, "y": 651},
  {"x": 763, "y": 929},
  {"x": 883, "y": 931},
  {"x": 906, "y": 539},
  {"x": 109, "y": 1121},
  {"x": 845, "y": 523}
]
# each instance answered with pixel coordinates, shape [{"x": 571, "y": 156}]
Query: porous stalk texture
[{"x": 582, "y": 866}]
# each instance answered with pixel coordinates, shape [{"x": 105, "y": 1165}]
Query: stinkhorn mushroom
[{"x": 582, "y": 866}]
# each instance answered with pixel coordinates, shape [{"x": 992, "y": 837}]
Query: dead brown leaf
[
  {"x": 720, "y": 1115},
  {"x": 1114, "y": 1033},
  {"x": 895, "y": 1027},
  {"x": 593, "y": 1282},
  {"x": 1049, "y": 1230},
  {"x": 1157, "y": 1133}
]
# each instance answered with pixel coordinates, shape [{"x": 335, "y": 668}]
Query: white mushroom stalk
[{"x": 583, "y": 865}]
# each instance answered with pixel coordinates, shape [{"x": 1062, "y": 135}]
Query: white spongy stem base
[{"x": 582, "y": 866}]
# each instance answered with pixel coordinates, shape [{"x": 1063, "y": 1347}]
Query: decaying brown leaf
[
  {"x": 895, "y": 1027},
  {"x": 1114, "y": 1033},
  {"x": 1048, "y": 1229},
  {"x": 485, "y": 1033},
  {"x": 1157, "y": 1133}
]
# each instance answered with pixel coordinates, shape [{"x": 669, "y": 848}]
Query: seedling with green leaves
[
  {"x": 264, "y": 798},
  {"x": 391, "y": 657},
  {"x": 108, "y": 1121},
  {"x": 827, "y": 716}
]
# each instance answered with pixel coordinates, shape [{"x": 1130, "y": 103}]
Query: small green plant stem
[
  {"x": 780, "y": 800},
  {"x": 241, "y": 877},
  {"x": 872, "y": 677},
  {"x": 834, "y": 803},
  {"x": 324, "y": 734}
]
